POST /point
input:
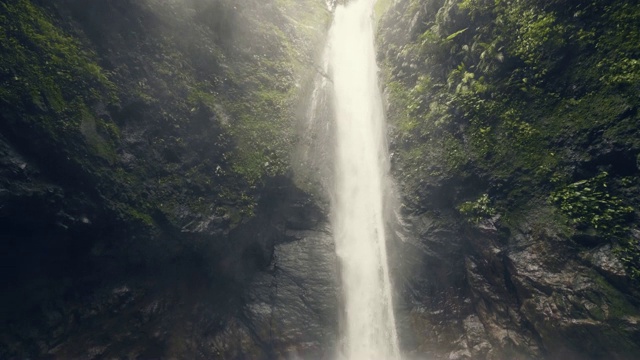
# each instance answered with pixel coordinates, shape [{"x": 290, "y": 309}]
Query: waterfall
[{"x": 368, "y": 328}]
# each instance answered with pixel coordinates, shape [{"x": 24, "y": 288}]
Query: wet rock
[
  {"x": 432, "y": 299},
  {"x": 476, "y": 337},
  {"x": 293, "y": 306},
  {"x": 525, "y": 293},
  {"x": 136, "y": 235},
  {"x": 604, "y": 260}
]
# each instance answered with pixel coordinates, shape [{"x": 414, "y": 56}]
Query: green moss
[
  {"x": 259, "y": 112},
  {"x": 51, "y": 83},
  {"x": 263, "y": 125},
  {"x": 100, "y": 145},
  {"x": 199, "y": 97},
  {"x": 138, "y": 216},
  {"x": 614, "y": 301},
  {"x": 48, "y": 80}
]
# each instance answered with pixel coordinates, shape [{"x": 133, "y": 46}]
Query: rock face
[
  {"x": 145, "y": 181},
  {"x": 283, "y": 307},
  {"x": 529, "y": 293},
  {"x": 293, "y": 306},
  {"x": 502, "y": 254}
]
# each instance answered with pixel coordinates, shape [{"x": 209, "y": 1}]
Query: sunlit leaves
[
  {"x": 588, "y": 203},
  {"x": 477, "y": 210}
]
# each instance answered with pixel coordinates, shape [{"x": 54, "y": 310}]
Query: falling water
[{"x": 360, "y": 159}]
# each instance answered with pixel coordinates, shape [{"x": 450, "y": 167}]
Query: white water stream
[{"x": 368, "y": 328}]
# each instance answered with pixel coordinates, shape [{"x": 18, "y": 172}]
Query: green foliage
[
  {"x": 540, "y": 36},
  {"x": 588, "y": 203},
  {"x": 477, "y": 210},
  {"x": 526, "y": 93},
  {"x": 526, "y": 96},
  {"x": 455, "y": 34},
  {"x": 520, "y": 84},
  {"x": 620, "y": 65}
]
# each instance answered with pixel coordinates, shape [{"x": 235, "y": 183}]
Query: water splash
[{"x": 360, "y": 168}]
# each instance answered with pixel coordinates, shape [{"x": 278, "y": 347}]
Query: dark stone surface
[
  {"x": 157, "y": 248},
  {"x": 532, "y": 294}
]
